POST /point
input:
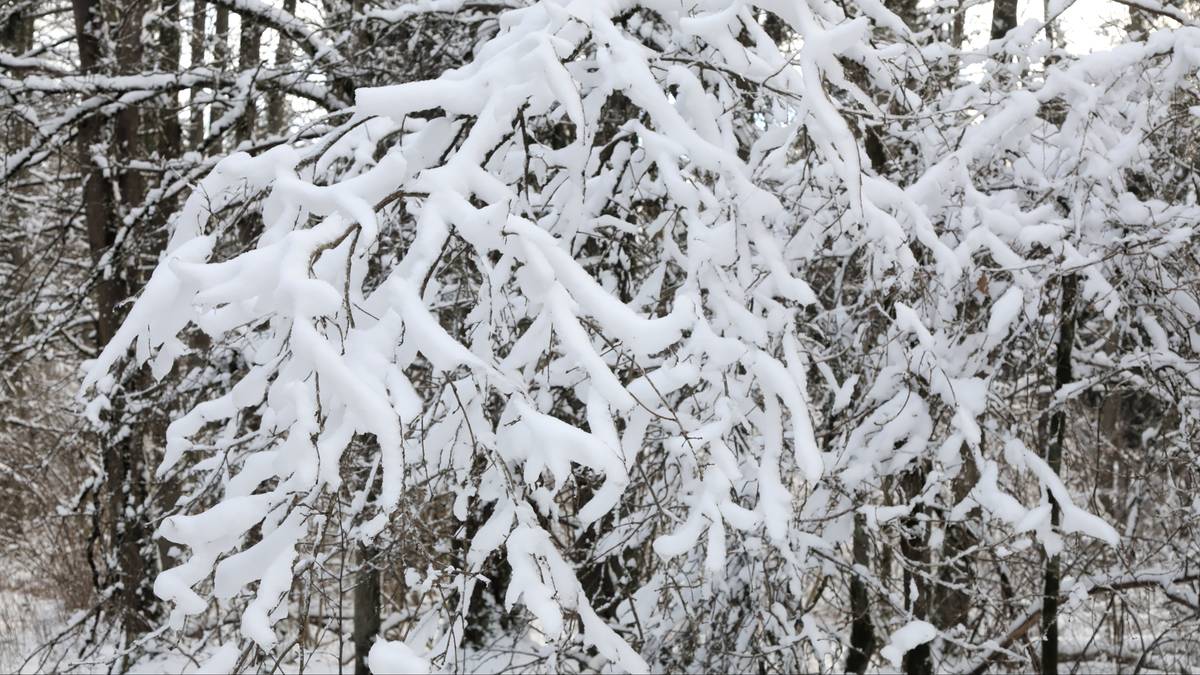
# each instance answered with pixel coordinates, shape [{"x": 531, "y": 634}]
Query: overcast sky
[{"x": 1086, "y": 26}]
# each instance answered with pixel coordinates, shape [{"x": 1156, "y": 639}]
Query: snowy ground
[{"x": 26, "y": 620}]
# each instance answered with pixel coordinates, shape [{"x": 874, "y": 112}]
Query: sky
[{"x": 1086, "y": 26}]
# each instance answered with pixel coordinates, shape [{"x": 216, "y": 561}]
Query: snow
[
  {"x": 223, "y": 660},
  {"x": 1074, "y": 519},
  {"x": 701, "y": 337},
  {"x": 910, "y": 635},
  {"x": 393, "y": 656},
  {"x": 1004, "y": 311},
  {"x": 27, "y": 620}
]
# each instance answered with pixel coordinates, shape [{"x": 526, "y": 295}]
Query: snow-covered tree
[{"x": 724, "y": 335}]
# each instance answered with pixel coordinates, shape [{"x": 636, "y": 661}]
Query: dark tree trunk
[
  {"x": 1058, "y": 431},
  {"x": 123, "y": 463},
  {"x": 914, "y": 546},
  {"x": 366, "y": 609},
  {"x": 249, "y": 44},
  {"x": 169, "y": 138},
  {"x": 16, "y": 33},
  {"x": 1004, "y": 17},
  {"x": 19, "y": 276},
  {"x": 341, "y": 17},
  {"x": 220, "y": 61},
  {"x": 862, "y": 632},
  {"x": 956, "y": 570},
  {"x": 199, "y": 24},
  {"x": 16, "y": 37},
  {"x": 97, "y": 207},
  {"x": 958, "y": 29},
  {"x": 220, "y": 48},
  {"x": 127, "y": 485},
  {"x": 1051, "y": 32},
  {"x": 166, "y": 141},
  {"x": 276, "y": 99}
]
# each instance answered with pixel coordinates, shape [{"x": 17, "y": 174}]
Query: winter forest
[{"x": 581, "y": 336}]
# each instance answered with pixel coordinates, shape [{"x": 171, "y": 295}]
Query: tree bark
[
  {"x": 914, "y": 545},
  {"x": 366, "y": 609},
  {"x": 196, "y": 122},
  {"x": 16, "y": 37},
  {"x": 89, "y": 25},
  {"x": 1058, "y": 430},
  {"x": 220, "y": 58},
  {"x": 1004, "y": 17},
  {"x": 277, "y": 99},
  {"x": 957, "y": 566},
  {"x": 249, "y": 44},
  {"x": 341, "y": 16},
  {"x": 958, "y": 29},
  {"x": 16, "y": 33},
  {"x": 221, "y": 45},
  {"x": 18, "y": 276},
  {"x": 122, "y": 455},
  {"x": 127, "y": 484},
  {"x": 170, "y": 141},
  {"x": 862, "y": 632}
]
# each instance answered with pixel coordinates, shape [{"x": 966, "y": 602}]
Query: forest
[{"x": 596, "y": 336}]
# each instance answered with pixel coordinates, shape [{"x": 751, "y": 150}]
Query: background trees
[{"x": 744, "y": 336}]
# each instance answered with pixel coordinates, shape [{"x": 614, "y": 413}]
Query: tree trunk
[
  {"x": 914, "y": 545},
  {"x": 17, "y": 276},
  {"x": 1058, "y": 430},
  {"x": 127, "y": 485},
  {"x": 196, "y": 123},
  {"x": 277, "y": 99},
  {"x": 341, "y": 17},
  {"x": 220, "y": 61},
  {"x": 16, "y": 33},
  {"x": 1004, "y": 17},
  {"x": 1139, "y": 23},
  {"x": 955, "y": 573},
  {"x": 958, "y": 29},
  {"x": 366, "y": 609},
  {"x": 97, "y": 205},
  {"x": 123, "y": 464},
  {"x": 16, "y": 37},
  {"x": 249, "y": 43},
  {"x": 169, "y": 136},
  {"x": 130, "y": 53},
  {"x": 1051, "y": 33},
  {"x": 862, "y": 632},
  {"x": 221, "y": 45},
  {"x": 165, "y": 141}
]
